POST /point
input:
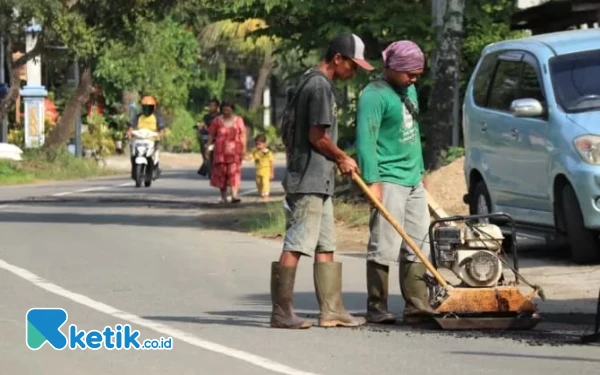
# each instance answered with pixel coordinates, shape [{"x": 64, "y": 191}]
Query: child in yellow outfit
[{"x": 263, "y": 162}]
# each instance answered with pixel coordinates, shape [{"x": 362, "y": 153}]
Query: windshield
[{"x": 576, "y": 80}]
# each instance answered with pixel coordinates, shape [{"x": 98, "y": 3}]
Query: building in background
[{"x": 547, "y": 16}]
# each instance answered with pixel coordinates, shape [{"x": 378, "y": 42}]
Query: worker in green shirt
[{"x": 390, "y": 159}]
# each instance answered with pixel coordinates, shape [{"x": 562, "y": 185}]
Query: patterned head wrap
[{"x": 403, "y": 56}]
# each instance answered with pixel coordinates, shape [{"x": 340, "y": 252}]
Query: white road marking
[
  {"x": 247, "y": 192},
  {"x": 89, "y": 189},
  {"x": 252, "y": 191},
  {"x": 160, "y": 328}
]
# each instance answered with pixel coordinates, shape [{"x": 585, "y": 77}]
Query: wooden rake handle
[{"x": 399, "y": 229}]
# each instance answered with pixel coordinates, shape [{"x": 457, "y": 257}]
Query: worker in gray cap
[{"x": 310, "y": 134}]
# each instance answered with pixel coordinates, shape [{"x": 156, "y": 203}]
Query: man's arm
[
  {"x": 320, "y": 117},
  {"x": 369, "y": 112},
  {"x": 321, "y": 141},
  {"x": 244, "y": 135},
  {"x": 212, "y": 133},
  {"x": 132, "y": 126}
]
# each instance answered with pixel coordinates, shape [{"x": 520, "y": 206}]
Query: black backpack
[{"x": 288, "y": 119}]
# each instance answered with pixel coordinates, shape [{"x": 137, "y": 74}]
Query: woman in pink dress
[{"x": 227, "y": 133}]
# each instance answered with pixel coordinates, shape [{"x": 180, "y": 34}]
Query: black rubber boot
[
  {"x": 282, "y": 292},
  {"x": 415, "y": 292},
  {"x": 377, "y": 288}
]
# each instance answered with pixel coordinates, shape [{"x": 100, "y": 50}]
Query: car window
[
  {"x": 530, "y": 85},
  {"x": 576, "y": 80},
  {"x": 483, "y": 79},
  {"x": 505, "y": 85}
]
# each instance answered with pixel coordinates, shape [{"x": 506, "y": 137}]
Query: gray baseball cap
[{"x": 351, "y": 46}]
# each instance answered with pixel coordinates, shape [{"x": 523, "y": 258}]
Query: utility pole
[
  {"x": 2, "y": 67},
  {"x": 78, "y": 146},
  {"x": 4, "y": 124},
  {"x": 438, "y": 14}
]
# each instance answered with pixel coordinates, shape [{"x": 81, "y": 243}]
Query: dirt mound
[{"x": 447, "y": 185}]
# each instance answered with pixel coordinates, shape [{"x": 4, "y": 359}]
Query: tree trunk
[
  {"x": 263, "y": 77},
  {"x": 446, "y": 79},
  {"x": 15, "y": 83},
  {"x": 128, "y": 97},
  {"x": 66, "y": 125}
]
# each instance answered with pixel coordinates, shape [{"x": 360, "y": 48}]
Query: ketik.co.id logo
[{"x": 43, "y": 325}]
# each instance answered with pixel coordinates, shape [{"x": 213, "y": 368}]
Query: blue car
[{"x": 531, "y": 125}]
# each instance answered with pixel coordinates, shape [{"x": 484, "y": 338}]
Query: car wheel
[
  {"x": 481, "y": 203},
  {"x": 139, "y": 174},
  {"x": 584, "y": 243}
]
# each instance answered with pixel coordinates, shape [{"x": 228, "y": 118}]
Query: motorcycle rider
[{"x": 147, "y": 119}]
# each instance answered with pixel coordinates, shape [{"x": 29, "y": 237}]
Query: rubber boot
[
  {"x": 282, "y": 292},
  {"x": 415, "y": 292},
  {"x": 328, "y": 287},
  {"x": 377, "y": 288}
]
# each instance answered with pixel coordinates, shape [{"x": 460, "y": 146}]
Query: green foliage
[
  {"x": 485, "y": 22},
  {"x": 98, "y": 137},
  {"x": 180, "y": 135},
  {"x": 453, "y": 154},
  {"x": 39, "y": 166},
  {"x": 307, "y": 24},
  {"x": 210, "y": 83},
  {"x": 160, "y": 62},
  {"x": 268, "y": 220},
  {"x": 238, "y": 39}
]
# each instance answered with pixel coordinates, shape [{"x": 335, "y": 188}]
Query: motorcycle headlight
[{"x": 588, "y": 147}]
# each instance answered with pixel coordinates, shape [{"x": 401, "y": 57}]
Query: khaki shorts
[
  {"x": 309, "y": 226},
  {"x": 409, "y": 207}
]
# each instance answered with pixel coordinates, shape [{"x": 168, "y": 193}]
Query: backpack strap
[
  {"x": 288, "y": 132},
  {"x": 412, "y": 109},
  {"x": 301, "y": 86},
  {"x": 414, "y": 112}
]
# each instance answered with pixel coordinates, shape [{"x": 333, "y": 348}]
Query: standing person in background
[
  {"x": 227, "y": 133},
  {"x": 263, "y": 163},
  {"x": 202, "y": 132},
  {"x": 388, "y": 144},
  {"x": 310, "y": 136}
]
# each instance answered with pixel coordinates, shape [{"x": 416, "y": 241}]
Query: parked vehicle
[
  {"x": 531, "y": 122},
  {"x": 145, "y": 153}
]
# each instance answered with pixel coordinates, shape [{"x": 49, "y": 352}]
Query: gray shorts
[
  {"x": 309, "y": 225},
  {"x": 408, "y": 205}
]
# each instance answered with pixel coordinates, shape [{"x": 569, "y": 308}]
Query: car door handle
[
  {"x": 484, "y": 127},
  {"x": 514, "y": 133}
]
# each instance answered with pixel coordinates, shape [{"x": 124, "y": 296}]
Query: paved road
[{"x": 111, "y": 254}]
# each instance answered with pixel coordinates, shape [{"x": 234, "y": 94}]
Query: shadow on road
[
  {"x": 248, "y": 173},
  {"x": 518, "y": 355},
  {"x": 555, "y": 329},
  {"x": 212, "y": 215},
  {"x": 98, "y": 219}
]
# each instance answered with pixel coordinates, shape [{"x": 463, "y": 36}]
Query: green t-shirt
[{"x": 388, "y": 140}]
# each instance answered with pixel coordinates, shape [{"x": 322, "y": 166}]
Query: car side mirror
[{"x": 526, "y": 108}]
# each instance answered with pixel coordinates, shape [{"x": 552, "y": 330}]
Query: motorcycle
[{"x": 145, "y": 154}]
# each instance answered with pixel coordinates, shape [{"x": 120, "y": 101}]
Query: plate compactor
[{"x": 482, "y": 299}]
